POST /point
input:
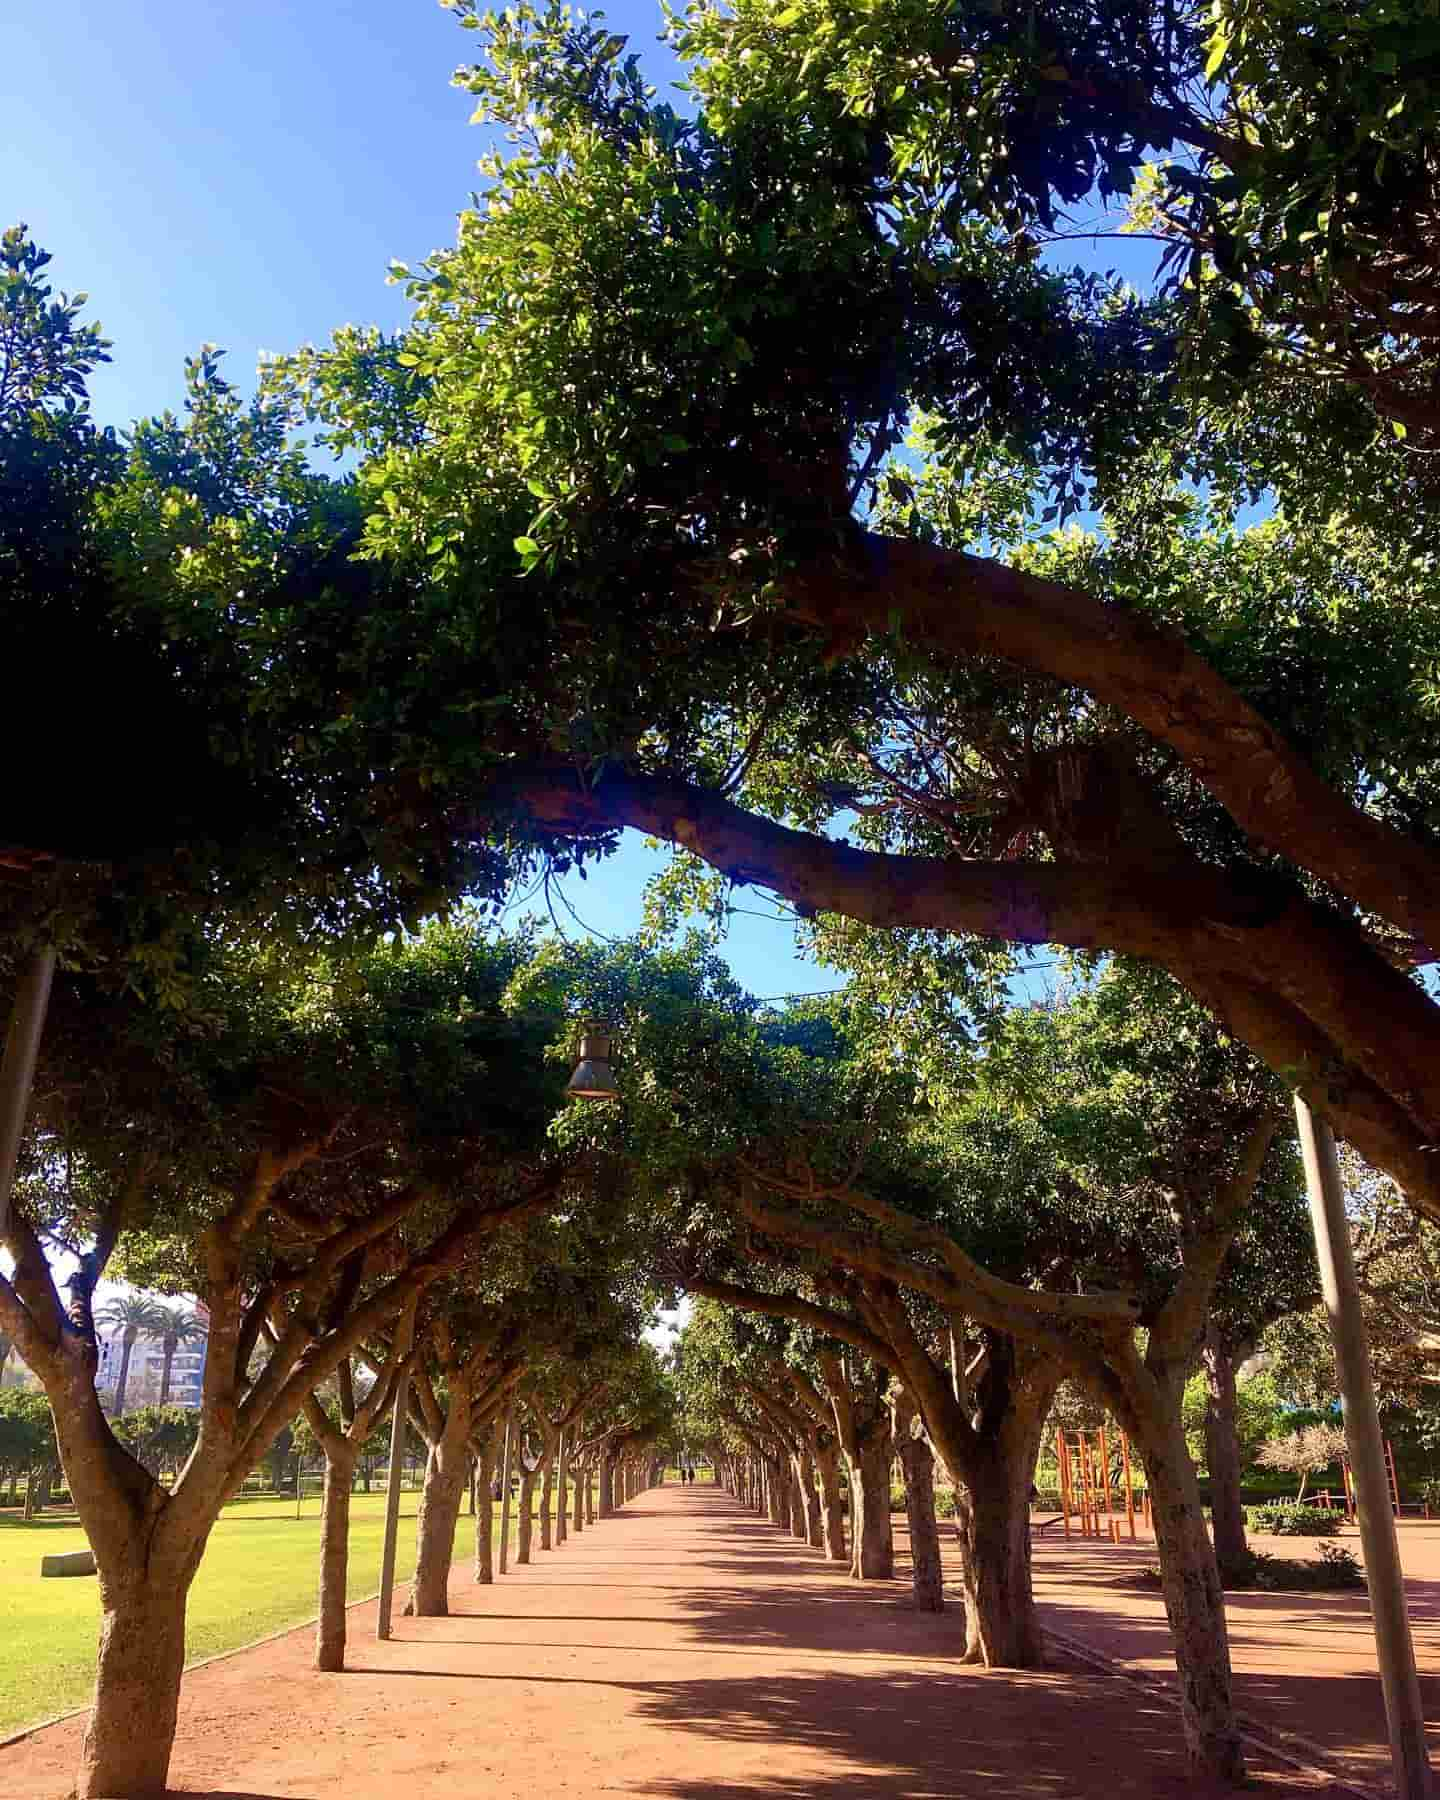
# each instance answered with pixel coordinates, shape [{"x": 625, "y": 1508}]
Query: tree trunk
[
  {"x": 439, "y": 1514},
  {"x": 779, "y": 1492},
  {"x": 799, "y": 1520},
  {"x": 813, "y": 1532},
  {"x": 607, "y": 1486},
  {"x": 827, "y": 1467},
  {"x": 334, "y": 1557},
  {"x": 1194, "y": 1600},
  {"x": 122, "y": 1381},
  {"x": 589, "y": 1499},
  {"x": 927, "y": 1579},
  {"x": 169, "y": 1353},
  {"x": 526, "y": 1534},
  {"x": 562, "y": 1490},
  {"x": 1222, "y": 1457},
  {"x": 547, "y": 1497},
  {"x": 873, "y": 1551},
  {"x": 485, "y": 1507},
  {"x": 577, "y": 1501},
  {"x": 992, "y": 1518},
  {"x": 131, "y": 1731}
]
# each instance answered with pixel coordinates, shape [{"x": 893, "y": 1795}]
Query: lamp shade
[{"x": 593, "y": 1078}]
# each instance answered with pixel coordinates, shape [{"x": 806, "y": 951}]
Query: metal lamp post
[{"x": 1394, "y": 1647}]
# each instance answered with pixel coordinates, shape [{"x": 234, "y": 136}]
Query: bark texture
[
  {"x": 547, "y": 1496},
  {"x": 445, "y": 1473},
  {"x": 832, "y": 1493},
  {"x": 1194, "y": 1601},
  {"x": 126, "y": 1751},
  {"x": 927, "y": 1581},
  {"x": 1222, "y": 1456},
  {"x": 993, "y": 1525},
  {"x": 812, "y": 1524},
  {"x": 485, "y": 1507},
  {"x": 525, "y": 1534},
  {"x": 874, "y": 1548},
  {"x": 334, "y": 1556}
]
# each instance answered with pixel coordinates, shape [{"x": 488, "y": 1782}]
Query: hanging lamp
[{"x": 593, "y": 1078}]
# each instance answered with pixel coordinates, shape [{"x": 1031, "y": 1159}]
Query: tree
[
  {"x": 341, "y": 1438},
  {"x": 189, "y": 796},
  {"x": 1115, "y": 775},
  {"x": 334, "y": 1144},
  {"x": 472, "y": 1357},
  {"x": 1399, "y": 1272},
  {"x": 131, "y": 1315},
  {"x": 27, "y": 1445},
  {"x": 174, "y": 1326},
  {"x": 1303, "y": 1452},
  {"x": 1259, "y": 1415},
  {"x": 160, "y": 1438}
]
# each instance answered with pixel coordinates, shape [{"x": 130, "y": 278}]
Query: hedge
[{"x": 1294, "y": 1521}]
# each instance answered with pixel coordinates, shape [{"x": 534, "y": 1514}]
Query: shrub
[
  {"x": 1293, "y": 1521},
  {"x": 1335, "y": 1570}
]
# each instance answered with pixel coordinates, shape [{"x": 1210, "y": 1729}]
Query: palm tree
[
  {"x": 174, "y": 1326},
  {"x": 132, "y": 1314}
]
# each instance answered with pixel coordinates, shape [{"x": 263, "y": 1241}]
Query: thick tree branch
[
  {"x": 1180, "y": 1323},
  {"x": 804, "y": 1312},
  {"x": 960, "y": 605}
]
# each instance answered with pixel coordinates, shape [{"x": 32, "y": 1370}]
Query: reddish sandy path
[
  {"x": 1303, "y": 1662},
  {"x": 684, "y": 1650}
]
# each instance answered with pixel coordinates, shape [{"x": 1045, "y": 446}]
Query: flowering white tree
[{"x": 1303, "y": 1452}]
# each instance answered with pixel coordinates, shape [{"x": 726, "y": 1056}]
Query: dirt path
[
  {"x": 684, "y": 1650},
  {"x": 1304, "y": 1663}
]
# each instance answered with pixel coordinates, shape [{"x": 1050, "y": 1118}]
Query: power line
[{"x": 822, "y": 993}]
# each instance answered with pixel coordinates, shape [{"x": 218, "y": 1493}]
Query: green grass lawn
[{"x": 260, "y": 1573}]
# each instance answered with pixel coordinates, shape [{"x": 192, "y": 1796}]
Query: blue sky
[{"x": 238, "y": 173}]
